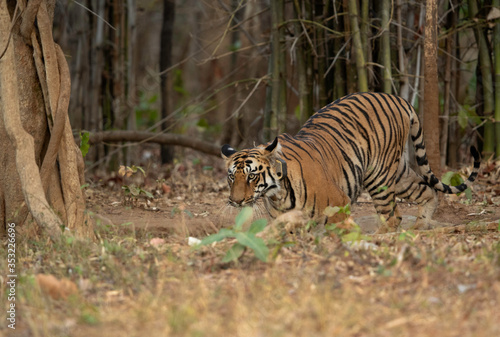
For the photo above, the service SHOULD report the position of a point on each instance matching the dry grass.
(408, 285)
(435, 283)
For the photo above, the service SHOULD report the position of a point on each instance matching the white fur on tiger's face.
(251, 175)
(355, 143)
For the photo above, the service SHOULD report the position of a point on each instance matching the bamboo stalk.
(305, 102)
(431, 91)
(322, 50)
(358, 47)
(365, 29)
(496, 55)
(385, 48)
(404, 88)
(278, 85)
(446, 107)
(339, 47)
(484, 64)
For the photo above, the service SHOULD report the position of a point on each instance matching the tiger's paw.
(388, 226)
(385, 228)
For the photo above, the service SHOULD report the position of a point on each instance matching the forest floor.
(139, 277)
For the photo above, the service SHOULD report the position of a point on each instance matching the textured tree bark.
(35, 129)
(167, 153)
(278, 76)
(22, 142)
(385, 47)
(358, 47)
(485, 67)
(431, 88)
(496, 53)
(303, 53)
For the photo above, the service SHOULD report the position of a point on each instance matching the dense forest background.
(242, 71)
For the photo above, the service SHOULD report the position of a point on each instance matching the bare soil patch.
(140, 277)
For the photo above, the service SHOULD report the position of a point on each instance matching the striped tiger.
(352, 144)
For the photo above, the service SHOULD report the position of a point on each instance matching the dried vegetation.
(140, 277)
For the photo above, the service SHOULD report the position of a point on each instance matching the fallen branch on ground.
(151, 137)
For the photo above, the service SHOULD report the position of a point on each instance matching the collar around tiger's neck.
(281, 169)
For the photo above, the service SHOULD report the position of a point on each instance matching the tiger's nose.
(236, 202)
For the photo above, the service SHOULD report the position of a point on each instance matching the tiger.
(355, 143)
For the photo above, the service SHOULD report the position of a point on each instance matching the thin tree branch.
(151, 137)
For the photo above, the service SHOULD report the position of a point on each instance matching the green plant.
(84, 142)
(145, 112)
(332, 210)
(455, 179)
(131, 191)
(348, 230)
(245, 239)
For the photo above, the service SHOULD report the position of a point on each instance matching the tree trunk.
(358, 47)
(276, 107)
(340, 73)
(496, 55)
(484, 64)
(302, 52)
(431, 88)
(385, 47)
(450, 25)
(404, 88)
(167, 152)
(43, 167)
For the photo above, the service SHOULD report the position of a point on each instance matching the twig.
(100, 17)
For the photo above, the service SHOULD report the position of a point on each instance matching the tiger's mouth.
(245, 202)
(249, 202)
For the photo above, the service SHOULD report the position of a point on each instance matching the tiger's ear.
(273, 146)
(280, 164)
(227, 151)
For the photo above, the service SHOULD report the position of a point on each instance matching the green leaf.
(446, 178)
(257, 226)
(243, 216)
(135, 168)
(463, 119)
(382, 188)
(254, 243)
(148, 194)
(331, 211)
(234, 253)
(202, 123)
(223, 233)
(468, 193)
(353, 236)
(84, 143)
(456, 180)
(189, 213)
(135, 191)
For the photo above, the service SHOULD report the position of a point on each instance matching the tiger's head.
(253, 173)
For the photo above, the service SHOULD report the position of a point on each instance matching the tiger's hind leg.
(412, 187)
(383, 194)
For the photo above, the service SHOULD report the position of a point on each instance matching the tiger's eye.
(251, 176)
(230, 176)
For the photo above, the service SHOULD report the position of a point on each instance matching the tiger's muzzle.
(241, 202)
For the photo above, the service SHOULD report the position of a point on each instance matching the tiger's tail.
(421, 156)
